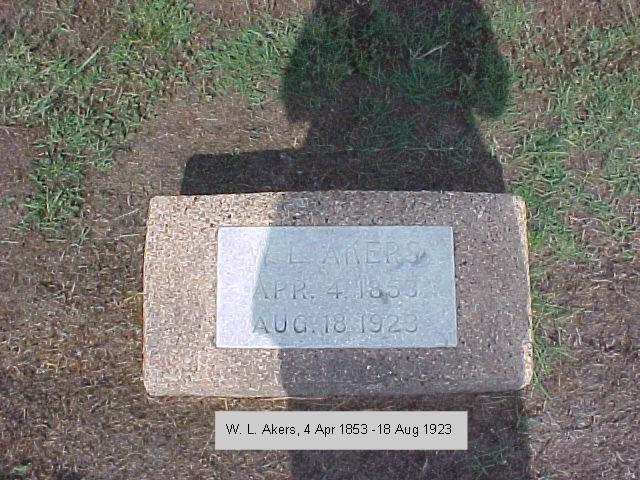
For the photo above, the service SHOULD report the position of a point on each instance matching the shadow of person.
(390, 91)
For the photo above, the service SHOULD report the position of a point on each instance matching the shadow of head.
(391, 91)
(378, 55)
(393, 73)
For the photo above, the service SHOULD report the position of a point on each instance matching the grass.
(436, 60)
(20, 470)
(88, 104)
(395, 60)
(378, 129)
(548, 336)
(483, 464)
(86, 107)
(593, 113)
(580, 158)
(575, 153)
(249, 61)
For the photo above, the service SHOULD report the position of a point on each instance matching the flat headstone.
(345, 286)
(211, 269)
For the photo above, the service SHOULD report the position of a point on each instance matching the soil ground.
(72, 403)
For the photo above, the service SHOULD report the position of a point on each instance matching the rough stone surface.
(492, 291)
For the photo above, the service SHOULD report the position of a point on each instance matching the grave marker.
(214, 310)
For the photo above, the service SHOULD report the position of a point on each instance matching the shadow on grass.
(391, 91)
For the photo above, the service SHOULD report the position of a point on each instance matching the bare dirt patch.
(15, 166)
(588, 425)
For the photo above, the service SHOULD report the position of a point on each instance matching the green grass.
(542, 176)
(420, 59)
(549, 320)
(576, 153)
(20, 470)
(319, 61)
(578, 157)
(444, 60)
(594, 116)
(88, 106)
(250, 61)
(483, 463)
(377, 128)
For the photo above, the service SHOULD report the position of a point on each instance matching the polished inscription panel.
(336, 287)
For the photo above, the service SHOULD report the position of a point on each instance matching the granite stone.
(493, 313)
(344, 286)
